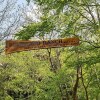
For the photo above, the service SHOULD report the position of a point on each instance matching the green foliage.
(40, 28)
(28, 31)
(28, 75)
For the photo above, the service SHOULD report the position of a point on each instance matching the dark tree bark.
(85, 88)
(76, 84)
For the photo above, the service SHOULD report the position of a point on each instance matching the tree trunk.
(85, 88)
(76, 84)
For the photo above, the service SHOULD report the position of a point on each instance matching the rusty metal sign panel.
(20, 45)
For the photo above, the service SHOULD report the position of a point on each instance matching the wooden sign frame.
(21, 45)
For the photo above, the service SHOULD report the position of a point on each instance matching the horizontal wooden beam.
(20, 45)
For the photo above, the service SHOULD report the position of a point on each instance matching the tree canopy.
(70, 73)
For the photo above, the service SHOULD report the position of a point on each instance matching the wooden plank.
(20, 45)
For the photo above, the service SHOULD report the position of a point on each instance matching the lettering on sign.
(20, 45)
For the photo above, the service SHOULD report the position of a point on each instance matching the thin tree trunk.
(50, 60)
(54, 62)
(76, 85)
(85, 88)
(57, 57)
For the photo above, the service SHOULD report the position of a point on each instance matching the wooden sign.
(20, 45)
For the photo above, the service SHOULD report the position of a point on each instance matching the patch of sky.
(21, 2)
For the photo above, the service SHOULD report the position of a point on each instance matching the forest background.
(66, 73)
